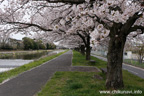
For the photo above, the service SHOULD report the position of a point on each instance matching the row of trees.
(11, 44)
(31, 44)
(26, 44)
(36, 44)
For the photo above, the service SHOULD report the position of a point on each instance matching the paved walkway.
(30, 82)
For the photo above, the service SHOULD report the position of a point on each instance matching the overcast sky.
(19, 36)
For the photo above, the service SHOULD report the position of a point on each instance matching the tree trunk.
(140, 60)
(82, 48)
(88, 51)
(140, 55)
(115, 60)
(88, 48)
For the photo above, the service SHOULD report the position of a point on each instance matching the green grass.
(79, 60)
(18, 70)
(133, 62)
(83, 83)
(72, 84)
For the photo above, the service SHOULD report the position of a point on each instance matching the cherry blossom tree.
(120, 17)
(82, 26)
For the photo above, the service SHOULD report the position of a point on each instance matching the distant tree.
(47, 46)
(140, 53)
(50, 46)
(42, 46)
(28, 43)
(36, 45)
(6, 47)
(39, 45)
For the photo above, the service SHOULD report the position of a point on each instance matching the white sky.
(19, 36)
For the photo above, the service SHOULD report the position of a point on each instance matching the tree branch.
(30, 25)
(135, 28)
(82, 37)
(99, 20)
(64, 1)
(127, 26)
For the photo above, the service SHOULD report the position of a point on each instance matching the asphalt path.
(30, 82)
(132, 69)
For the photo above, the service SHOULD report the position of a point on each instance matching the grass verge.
(72, 84)
(18, 70)
(83, 83)
(133, 62)
(79, 60)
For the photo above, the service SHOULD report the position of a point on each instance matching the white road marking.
(134, 67)
(131, 71)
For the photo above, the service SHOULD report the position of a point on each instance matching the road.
(132, 69)
(30, 82)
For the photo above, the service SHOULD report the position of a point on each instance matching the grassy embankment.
(134, 62)
(83, 83)
(18, 70)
